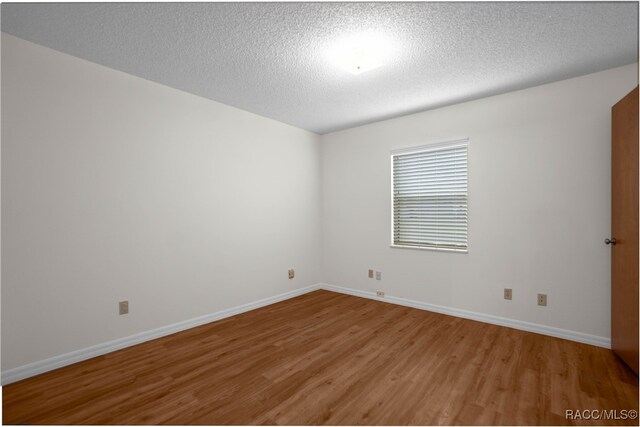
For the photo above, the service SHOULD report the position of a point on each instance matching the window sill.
(423, 248)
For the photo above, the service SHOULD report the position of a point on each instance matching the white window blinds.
(430, 196)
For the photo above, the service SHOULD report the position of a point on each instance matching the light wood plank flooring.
(328, 358)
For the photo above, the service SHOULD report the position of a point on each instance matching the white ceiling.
(271, 58)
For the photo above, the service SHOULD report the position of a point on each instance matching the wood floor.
(328, 358)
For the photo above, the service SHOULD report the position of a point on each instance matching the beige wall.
(114, 188)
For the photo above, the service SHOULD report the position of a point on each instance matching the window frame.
(431, 146)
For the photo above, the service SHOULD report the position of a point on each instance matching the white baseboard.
(486, 318)
(16, 374)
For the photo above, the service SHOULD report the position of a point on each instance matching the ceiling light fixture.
(360, 53)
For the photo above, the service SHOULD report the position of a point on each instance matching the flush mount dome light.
(357, 54)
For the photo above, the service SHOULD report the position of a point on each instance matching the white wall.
(114, 187)
(539, 200)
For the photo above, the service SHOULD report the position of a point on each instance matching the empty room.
(324, 213)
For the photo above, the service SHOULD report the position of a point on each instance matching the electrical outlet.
(542, 299)
(380, 293)
(370, 274)
(123, 307)
(508, 293)
(292, 273)
(378, 275)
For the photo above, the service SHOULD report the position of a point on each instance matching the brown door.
(624, 228)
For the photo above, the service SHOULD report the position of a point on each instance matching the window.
(429, 191)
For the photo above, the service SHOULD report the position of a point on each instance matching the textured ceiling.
(271, 58)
